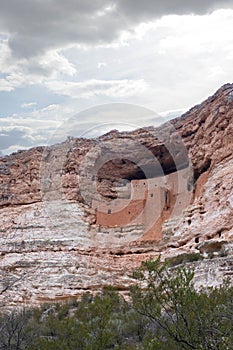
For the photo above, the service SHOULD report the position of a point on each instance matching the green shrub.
(163, 311)
(183, 258)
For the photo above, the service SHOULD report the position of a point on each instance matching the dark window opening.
(151, 195)
(167, 201)
(197, 240)
(166, 195)
(109, 211)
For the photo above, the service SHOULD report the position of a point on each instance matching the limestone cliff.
(51, 247)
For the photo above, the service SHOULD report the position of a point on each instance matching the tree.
(96, 323)
(180, 316)
(16, 334)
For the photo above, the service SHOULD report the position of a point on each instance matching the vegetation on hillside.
(163, 311)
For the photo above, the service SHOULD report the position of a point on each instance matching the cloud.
(33, 128)
(149, 9)
(21, 71)
(86, 53)
(42, 127)
(98, 120)
(101, 65)
(28, 104)
(110, 88)
(12, 135)
(37, 34)
(35, 27)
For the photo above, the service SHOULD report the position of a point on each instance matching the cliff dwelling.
(146, 202)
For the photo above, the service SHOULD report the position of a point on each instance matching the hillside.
(55, 243)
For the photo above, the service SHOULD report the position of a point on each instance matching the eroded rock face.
(49, 250)
(206, 132)
(210, 216)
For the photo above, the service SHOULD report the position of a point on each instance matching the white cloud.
(202, 34)
(160, 54)
(28, 104)
(89, 52)
(110, 88)
(20, 72)
(173, 113)
(101, 65)
(36, 27)
(31, 128)
(53, 113)
(56, 64)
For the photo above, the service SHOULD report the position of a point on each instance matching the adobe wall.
(108, 216)
(154, 205)
(151, 202)
(178, 182)
(141, 189)
(134, 211)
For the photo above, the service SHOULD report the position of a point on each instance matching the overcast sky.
(61, 59)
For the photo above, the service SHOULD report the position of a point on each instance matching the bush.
(184, 258)
(180, 316)
(163, 311)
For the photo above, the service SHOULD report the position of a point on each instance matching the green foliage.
(184, 258)
(95, 323)
(16, 331)
(163, 311)
(182, 317)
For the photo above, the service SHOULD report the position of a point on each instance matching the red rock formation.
(49, 249)
(206, 132)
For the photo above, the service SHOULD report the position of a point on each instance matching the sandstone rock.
(51, 247)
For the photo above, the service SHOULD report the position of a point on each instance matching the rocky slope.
(50, 250)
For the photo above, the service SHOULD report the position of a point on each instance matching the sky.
(117, 64)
